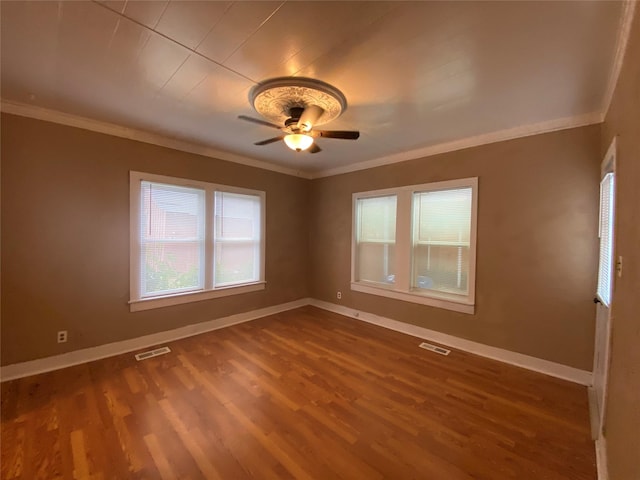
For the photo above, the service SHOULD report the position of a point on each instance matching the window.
(171, 239)
(237, 238)
(376, 239)
(193, 240)
(417, 243)
(607, 189)
(441, 240)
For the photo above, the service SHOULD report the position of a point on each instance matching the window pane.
(441, 268)
(376, 262)
(237, 238)
(171, 238)
(236, 262)
(170, 267)
(377, 219)
(606, 238)
(375, 239)
(441, 240)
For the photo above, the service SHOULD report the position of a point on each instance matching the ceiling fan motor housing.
(294, 117)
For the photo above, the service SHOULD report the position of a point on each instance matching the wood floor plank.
(80, 464)
(265, 384)
(186, 437)
(304, 394)
(159, 458)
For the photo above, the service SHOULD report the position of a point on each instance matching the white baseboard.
(85, 355)
(602, 466)
(553, 369)
(601, 458)
(56, 362)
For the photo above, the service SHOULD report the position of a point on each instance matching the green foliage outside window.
(163, 275)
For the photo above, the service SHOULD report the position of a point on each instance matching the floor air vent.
(152, 353)
(433, 348)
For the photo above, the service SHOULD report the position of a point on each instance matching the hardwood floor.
(304, 394)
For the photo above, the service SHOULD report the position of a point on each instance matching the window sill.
(439, 302)
(189, 297)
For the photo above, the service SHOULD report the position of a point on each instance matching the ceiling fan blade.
(342, 134)
(314, 148)
(309, 117)
(258, 121)
(270, 140)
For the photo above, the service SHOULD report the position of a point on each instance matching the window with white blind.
(605, 265)
(417, 243)
(171, 238)
(376, 234)
(441, 240)
(193, 240)
(237, 238)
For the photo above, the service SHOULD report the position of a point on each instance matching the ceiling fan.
(298, 129)
(296, 105)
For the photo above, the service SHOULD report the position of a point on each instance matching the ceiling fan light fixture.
(298, 141)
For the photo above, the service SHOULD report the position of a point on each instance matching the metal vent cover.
(152, 353)
(435, 348)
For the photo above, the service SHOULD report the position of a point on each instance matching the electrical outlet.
(339, 295)
(62, 336)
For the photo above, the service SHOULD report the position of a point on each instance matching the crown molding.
(55, 116)
(624, 30)
(476, 141)
(85, 123)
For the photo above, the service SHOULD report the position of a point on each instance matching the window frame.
(219, 242)
(401, 289)
(356, 225)
(209, 290)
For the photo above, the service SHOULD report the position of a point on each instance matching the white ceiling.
(415, 74)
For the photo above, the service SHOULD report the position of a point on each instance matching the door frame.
(608, 165)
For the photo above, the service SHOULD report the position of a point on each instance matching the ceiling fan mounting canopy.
(278, 99)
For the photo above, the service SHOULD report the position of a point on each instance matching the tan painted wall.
(65, 237)
(537, 243)
(622, 423)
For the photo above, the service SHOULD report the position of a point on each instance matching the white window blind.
(442, 240)
(417, 243)
(606, 238)
(237, 238)
(172, 236)
(376, 239)
(193, 240)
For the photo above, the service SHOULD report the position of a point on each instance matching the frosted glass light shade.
(298, 141)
